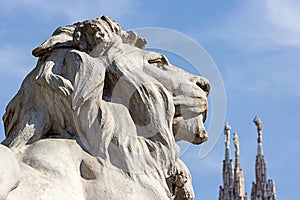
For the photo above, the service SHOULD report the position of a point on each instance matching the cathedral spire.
(260, 164)
(261, 189)
(239, 187)
(226, 192)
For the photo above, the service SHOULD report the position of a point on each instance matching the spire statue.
(236, 144)
(259, 125)
(227, 129)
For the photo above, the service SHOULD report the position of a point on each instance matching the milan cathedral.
(233, 179)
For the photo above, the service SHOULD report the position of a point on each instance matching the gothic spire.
(233, 180)
(260, 164)
(226, 192)
(261, 189)
(239, 188)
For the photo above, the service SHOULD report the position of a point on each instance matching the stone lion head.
(124, 105)
(91, 78)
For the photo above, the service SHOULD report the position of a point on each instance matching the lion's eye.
(161, 62)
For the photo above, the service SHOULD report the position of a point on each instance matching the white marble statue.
(98, 118)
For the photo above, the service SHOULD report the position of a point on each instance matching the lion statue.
(99, 118)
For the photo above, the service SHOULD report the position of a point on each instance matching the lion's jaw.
(190, 130)
(190, 112)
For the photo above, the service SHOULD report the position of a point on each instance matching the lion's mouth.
(182, 115)
(189, 126)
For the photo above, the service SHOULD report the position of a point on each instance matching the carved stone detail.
(99, 117)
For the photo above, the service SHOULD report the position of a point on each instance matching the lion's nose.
(203, 83)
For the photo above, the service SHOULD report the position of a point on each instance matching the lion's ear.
(61, 38)
(89, 77)
(133, 39)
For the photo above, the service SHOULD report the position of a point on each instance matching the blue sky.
(255, 44)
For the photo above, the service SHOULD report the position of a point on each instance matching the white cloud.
(285, 17)
(262, 24)
(284, 14)
(264, 36)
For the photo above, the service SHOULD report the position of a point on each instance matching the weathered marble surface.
(10, 173)
(99, 117)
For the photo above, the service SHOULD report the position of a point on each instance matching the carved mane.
(95, 84)
(71, 96)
